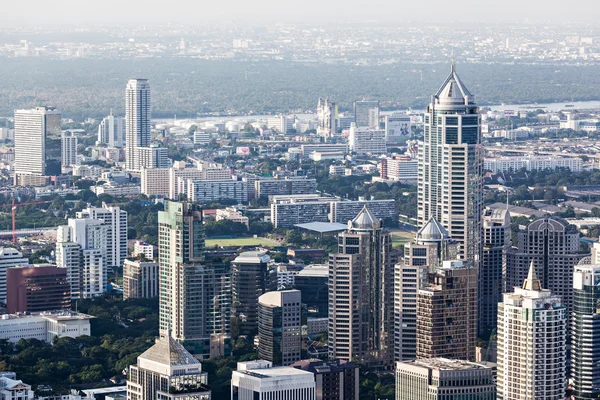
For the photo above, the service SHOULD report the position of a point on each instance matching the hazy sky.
(152, 11)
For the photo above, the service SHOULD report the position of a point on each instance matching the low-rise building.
(44, 326)
(13, 389)
(531, 163)
(232, 214)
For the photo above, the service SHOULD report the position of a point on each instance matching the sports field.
(401, 238)
(245, 241)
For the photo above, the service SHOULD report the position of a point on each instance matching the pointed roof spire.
(364, 220)
(453, 93)
(452, 65)
(432, 231)
(532, 282)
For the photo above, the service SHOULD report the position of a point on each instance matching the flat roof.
(273, 372)
(57, 315)
(446, 364)
(323, 227)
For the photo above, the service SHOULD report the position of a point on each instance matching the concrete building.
(312, 283)
(9, 258)
(137, 121)
(279, 326)
(397, 128)
(288, 186)
(44, 326)
(287, 211)
(532, 341)
(167, 371)
(399, 168)
(584, 329)
(343, 211)
(115, 220)
(442, 378)
(361, 293)
(367, 140)
(447, 313)
(153, 157)
(308, 149)
(111, 131)
(193, 296)
(366, 114)
(553, 245)
(334, 380)
(36, 289)
(496, 243)
(248, 283)
(206, 191)
(531, 163)
(327, 113)
(34, 130)
(143, 248)
(232, 214)
(259, 380)
(140, 279)
(450, 185)
(68, 148)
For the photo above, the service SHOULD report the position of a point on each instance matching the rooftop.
(446, 364)
(322, 227)
(60, 315)
(253, 257)
(168, 351)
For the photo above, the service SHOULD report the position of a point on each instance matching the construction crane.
(13, 207)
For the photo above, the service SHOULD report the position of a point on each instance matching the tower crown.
(532, 282)
(453, 93)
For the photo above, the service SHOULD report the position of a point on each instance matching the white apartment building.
(44, 326)
(116, 190)
(259, 380)
(204, 191)
(532, 163)
(116, 221)
(399, 168)
(156, 181)
(152, 157)
(137, 121)
(281, 123)
(202, 138)
(9, 258)
(532, 340)
(68, 149)
(367, 141)
(87, 171)
(111, 131)
(144, 248)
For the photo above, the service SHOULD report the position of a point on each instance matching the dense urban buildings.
(36, 289)
(442, 379)
(532, 343)
(137, 121)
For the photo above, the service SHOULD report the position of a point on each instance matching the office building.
(532, 340)
(44, 326)
(311, 281)
(366, 114)
(288, 186)
(334, 380)
(279, 326)
(115, 221)
(259, 380)
(193, 295)
(553, 245)
(68, 149)
(496, 243)
(531, 163)
(450, 187)
(206, 191)
(111, 131)
(248, 282)
(281, 123)
(361, 293)
(397, 128)
(326, 118)
(167, 371)
(585, 330)
(140, 279)
(153, 157)
(364, 141)
(447, 313)
(137, 121)
(36, 289)
(37, 131)
(9, 258)
(443, 378)
(202, 138)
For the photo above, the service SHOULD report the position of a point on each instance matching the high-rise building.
(532, 341)
(442, 378)
(496, 242)
(167, 371)
(36, 289)
(68, 149)
(367, 140)
(447, 313)
(111, 131)
(140, 279)
(312, 282)
(9, 258)
(279, 326)
(585, 331)
(153, 157)
(37, 132)
(194, 296)
(397, 128)
(137, 117)
(451, 167)
(248, 283)
(334, 380)
(115, 221)
(553, 245)
(361, 293)
(203, 191)
(259, 380)
(326, 118)
(366, 114)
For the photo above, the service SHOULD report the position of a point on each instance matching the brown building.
(335, 380)
(35, 289)
(447, 313)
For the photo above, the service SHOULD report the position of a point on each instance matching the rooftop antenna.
(452, 65)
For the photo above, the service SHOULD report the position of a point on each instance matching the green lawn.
(401, 238)
(245, 241)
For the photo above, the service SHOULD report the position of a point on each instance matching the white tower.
(137, 116)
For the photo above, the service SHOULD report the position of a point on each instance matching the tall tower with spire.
(451, 167)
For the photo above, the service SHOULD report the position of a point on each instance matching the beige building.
(140, 279)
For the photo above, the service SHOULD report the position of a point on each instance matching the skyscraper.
(447, 313)
(111, 131)
(137, 117)
(194, 296)
(326, 118)
(585, 331)
(496, 242)
(553, 245)
(115, 221)
(279, 327)
(361, 293)
(68, 149)
(532, 336)
(34, 131)
(366, 114)
(451, 167)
